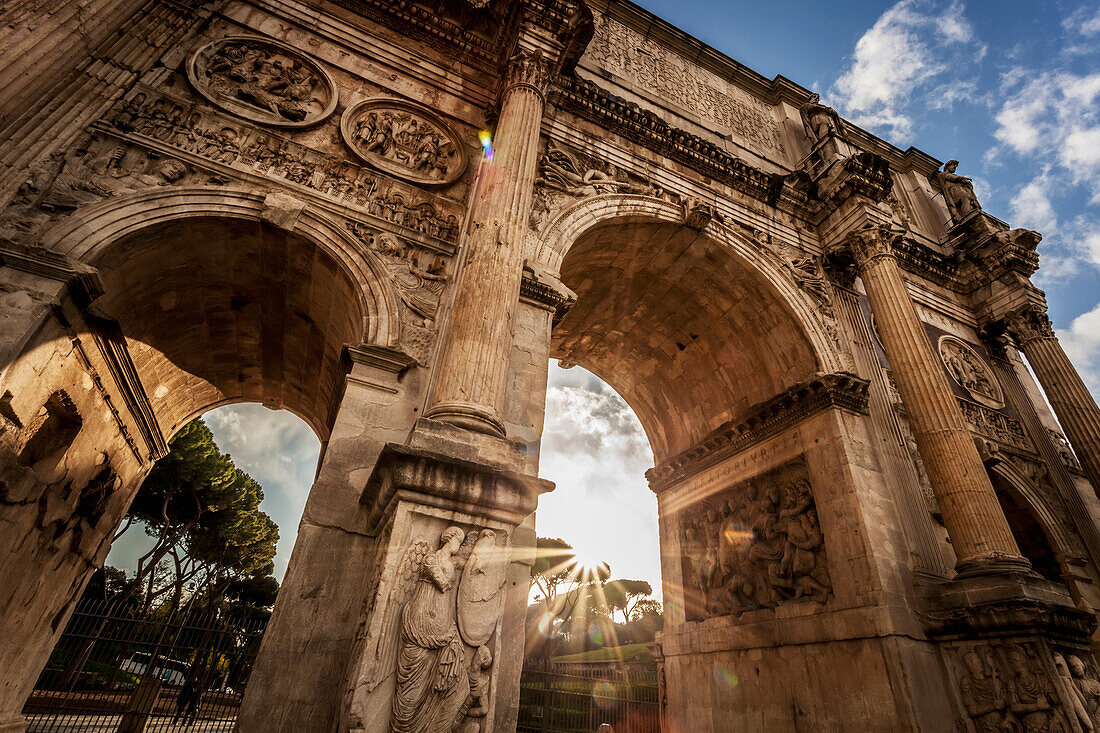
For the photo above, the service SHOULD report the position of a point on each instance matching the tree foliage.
(204, 517)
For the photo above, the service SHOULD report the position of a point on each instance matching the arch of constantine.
(869, 515)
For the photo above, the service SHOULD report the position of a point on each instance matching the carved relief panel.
(436, 636)
(263, 80)
(404, 139)
(1020, 686)
(758, 544)
(970, 371)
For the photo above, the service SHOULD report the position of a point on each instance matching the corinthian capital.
(869, 243)
(1029, 324)
(531, 69)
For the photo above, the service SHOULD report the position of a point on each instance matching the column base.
(469, 416)
(993, 563)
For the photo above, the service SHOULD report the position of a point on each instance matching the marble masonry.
(869, 516)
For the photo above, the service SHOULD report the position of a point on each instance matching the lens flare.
(549, 625)
(595, 633)
(486, 140)
(603, 693)
(725, 676)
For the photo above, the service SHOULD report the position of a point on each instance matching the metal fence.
(577, 698)
(113, 670)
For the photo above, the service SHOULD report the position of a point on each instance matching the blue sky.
(1011, 89)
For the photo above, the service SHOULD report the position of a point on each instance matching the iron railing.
(577, 698)
(113, 670)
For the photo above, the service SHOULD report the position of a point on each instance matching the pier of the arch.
(812, 341)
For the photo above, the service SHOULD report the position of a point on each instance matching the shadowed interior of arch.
(687, 334)
(224, 310)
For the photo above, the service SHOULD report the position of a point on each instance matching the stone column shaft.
(470, 377)
(975, 522)
(1067, 393)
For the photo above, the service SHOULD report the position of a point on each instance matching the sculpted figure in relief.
(958, 192)
(984, 695)
(430, 658)
(758, 547)
(1088, 690)
(1032, 698)
(818, 119)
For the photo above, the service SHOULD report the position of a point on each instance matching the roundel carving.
(970, 371)
(263, 80)
(404, 139)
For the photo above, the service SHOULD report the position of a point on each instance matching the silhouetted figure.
(187, 704)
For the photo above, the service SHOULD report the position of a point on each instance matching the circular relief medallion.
(970, 371)
(263, 80)
(404, 139)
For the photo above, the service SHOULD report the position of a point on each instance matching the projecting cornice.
(821, 392)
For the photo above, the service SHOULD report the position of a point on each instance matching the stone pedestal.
(432, 651)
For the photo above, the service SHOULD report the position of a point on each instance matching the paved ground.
(109, 723)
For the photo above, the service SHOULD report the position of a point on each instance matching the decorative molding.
(383, 358)
(111, 342)
(543, 289)
(82, 280)
(263, 80)
(821, 392)
(443, 481)
(530, 69)
(404, 139)
(590, 102)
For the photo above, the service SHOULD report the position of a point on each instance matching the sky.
(1009, 88)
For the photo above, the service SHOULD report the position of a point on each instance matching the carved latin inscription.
(404, 139)
(756, 545)
(629, 54)
(263, 80)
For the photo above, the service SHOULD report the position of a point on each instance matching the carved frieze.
(970, 371)
(1065, 451)
(263, 80)
(990, 423)
(755, 545)
(404, 139)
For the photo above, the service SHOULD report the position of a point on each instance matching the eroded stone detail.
(263, 80)
(970, 371)
(445, 606)
(958, 192)
(755, 545)
(405, 140)
(641, 60)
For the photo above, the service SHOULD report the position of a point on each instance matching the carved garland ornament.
(404, 139)
(970, 371)
(263, 80)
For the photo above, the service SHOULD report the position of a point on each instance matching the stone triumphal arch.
(869, 517)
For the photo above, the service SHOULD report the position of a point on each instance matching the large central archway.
(688, 335)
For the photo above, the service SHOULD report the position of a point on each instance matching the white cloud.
(1084, 21)
(1082, 344)
(1031, 207)
(595, 451)
(913, 53)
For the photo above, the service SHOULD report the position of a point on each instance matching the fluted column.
(470, 376)
(1067, 393)
(975, 522)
